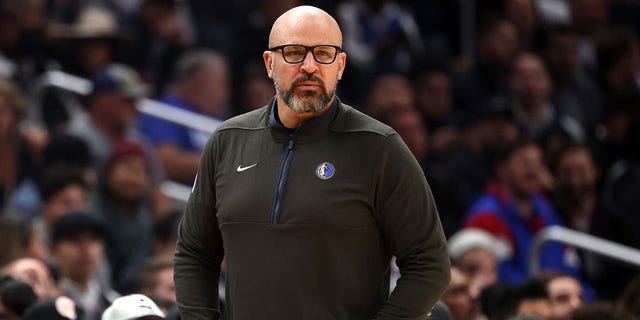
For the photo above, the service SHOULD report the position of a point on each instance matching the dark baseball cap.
(117, 77)
(60, 308)
(72, 224)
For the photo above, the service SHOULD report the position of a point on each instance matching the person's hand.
(35, 274)
(35, 136)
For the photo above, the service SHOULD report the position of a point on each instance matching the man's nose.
(575, 301)
(309, 63)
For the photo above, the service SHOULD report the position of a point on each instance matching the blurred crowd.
(524, 114)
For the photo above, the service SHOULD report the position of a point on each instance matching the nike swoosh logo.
(241, 168)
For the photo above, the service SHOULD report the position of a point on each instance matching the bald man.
(307, 200)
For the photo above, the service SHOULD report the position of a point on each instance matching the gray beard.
(298, 103)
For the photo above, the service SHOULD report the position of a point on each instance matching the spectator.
(526, 299)
(390, 92)
(63, 190)
(255, 89)
(89, 43)
(536, 117)
(484, 85)
(459, 175)
(159, 34)
(77, 249)
(133, 307)
(62, 182)
(112, 109)
(575, 92)
(113, 115)
(461, 297)
(121, 204)
(201, 84)
(156, 281)
(476, 253)
(432, 88)
(515, 209)
(576, 188)
(408, 124)
(434, 101)
(83, 46)
(565, 296)
(61, 153)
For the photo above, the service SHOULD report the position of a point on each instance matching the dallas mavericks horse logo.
(325, 170)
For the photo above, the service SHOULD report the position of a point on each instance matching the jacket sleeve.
(409, 222)
(199, 249)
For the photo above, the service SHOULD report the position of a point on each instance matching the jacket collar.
(309, 130)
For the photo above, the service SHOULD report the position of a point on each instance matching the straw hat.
(93, 23)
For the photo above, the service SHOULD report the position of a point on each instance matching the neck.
(291, 119)
(533, 111)
(128, 208)
(124, 206)
(525, 209)
(579, 207)
(187, 96)
(563, 80)
(524, 205)
(79, 282)
(110, 131)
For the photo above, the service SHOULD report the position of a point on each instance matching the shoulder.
(486, 204)
(252, 120)
(546, 210)
(351, 120)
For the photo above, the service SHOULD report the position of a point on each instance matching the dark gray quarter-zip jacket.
(307, 222)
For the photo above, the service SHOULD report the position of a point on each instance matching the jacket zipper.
(283, 175)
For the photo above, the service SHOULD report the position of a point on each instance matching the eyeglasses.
(295, 53)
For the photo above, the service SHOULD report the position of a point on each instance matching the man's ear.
(342, 60)
(268, 63)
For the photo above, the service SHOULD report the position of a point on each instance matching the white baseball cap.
(132, 307)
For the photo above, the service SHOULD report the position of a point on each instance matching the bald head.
(304, 88)
(305, 25)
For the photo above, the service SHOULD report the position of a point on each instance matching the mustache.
(307, 77)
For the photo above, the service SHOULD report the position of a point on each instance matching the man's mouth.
(308, 85)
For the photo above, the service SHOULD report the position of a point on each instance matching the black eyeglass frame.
(306, 50)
